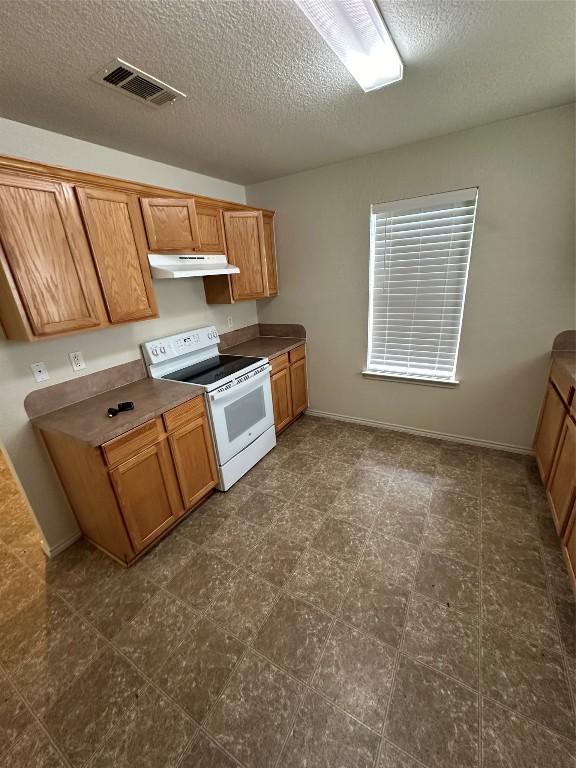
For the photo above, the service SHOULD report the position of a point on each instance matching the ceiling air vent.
(131, 81)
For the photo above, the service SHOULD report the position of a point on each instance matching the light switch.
(40, 371)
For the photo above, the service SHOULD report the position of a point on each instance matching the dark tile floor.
(361, 599)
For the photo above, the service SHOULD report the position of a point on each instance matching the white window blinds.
(419, 256)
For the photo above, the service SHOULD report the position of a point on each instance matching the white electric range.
(238, 394)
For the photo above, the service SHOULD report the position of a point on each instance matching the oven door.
(241, 414)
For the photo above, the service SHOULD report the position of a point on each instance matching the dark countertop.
(265, 346)
(88, 421)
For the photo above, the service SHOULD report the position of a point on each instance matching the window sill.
(410, 379)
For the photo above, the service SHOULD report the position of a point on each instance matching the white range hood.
(170, 265)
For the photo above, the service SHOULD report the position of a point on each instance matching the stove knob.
(163, 350)
(155, 351)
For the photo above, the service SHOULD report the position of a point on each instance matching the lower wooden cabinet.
(129, 491)
(289, 387)
(299, 386)
(548, 432)
(555, 450)
(282, 399)
(562, 482)
(192, 448)
(148, 494)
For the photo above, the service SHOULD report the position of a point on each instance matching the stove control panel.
(171, 347)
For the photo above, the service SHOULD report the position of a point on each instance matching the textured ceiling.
(266, 96)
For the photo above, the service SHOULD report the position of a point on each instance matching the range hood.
(169, 265)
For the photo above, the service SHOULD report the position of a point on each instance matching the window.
(419, 256)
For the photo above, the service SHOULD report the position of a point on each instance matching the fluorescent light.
(356, 32)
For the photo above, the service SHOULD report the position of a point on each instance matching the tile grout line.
(548, 592)
(149, 680)
(457, 680)
(37, 720)
(284, 590)
(162, 587)
(480, 627)
(563, 654)
(532, 720)
(420, 549)
(322, 652)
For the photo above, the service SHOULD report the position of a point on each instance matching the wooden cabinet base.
(555, 452)
(129, 492)
(289, 387)
(166, 532)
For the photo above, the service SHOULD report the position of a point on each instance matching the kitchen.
(352, 539)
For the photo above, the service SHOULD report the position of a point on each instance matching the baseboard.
(58, 548)
(423, 432)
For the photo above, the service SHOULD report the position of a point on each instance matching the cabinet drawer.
(563, 383)
(297, 354)
(279, 363)
(183, 414)
(129, 444)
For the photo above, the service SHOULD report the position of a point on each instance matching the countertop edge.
(293, 343)
(45, 422)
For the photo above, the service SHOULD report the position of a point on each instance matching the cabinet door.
(114, 225)
(210, 228)
(246, 250)
(147, 492)
(546, 440)
(49, 275)
(171, 223)
(299, 386)
(281, 399)
(194, 459)
(562, 482)
(270, 245)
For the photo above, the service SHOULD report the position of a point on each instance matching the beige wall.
(521, 282)
(181, 304)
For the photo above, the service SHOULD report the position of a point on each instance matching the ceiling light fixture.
(356, 32)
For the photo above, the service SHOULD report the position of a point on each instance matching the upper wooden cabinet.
(116, 234)
(270, 246)
(48, 282)
(250, 247)
(247, 251)
(210, 228)
(74, 248)
(171, 223)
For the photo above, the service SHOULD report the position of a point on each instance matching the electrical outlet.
(76, 361)
(230, 322)
(40, 371)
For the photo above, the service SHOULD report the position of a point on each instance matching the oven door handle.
(239, 388)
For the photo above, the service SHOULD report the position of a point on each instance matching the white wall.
(181, 304)
(521, 282)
